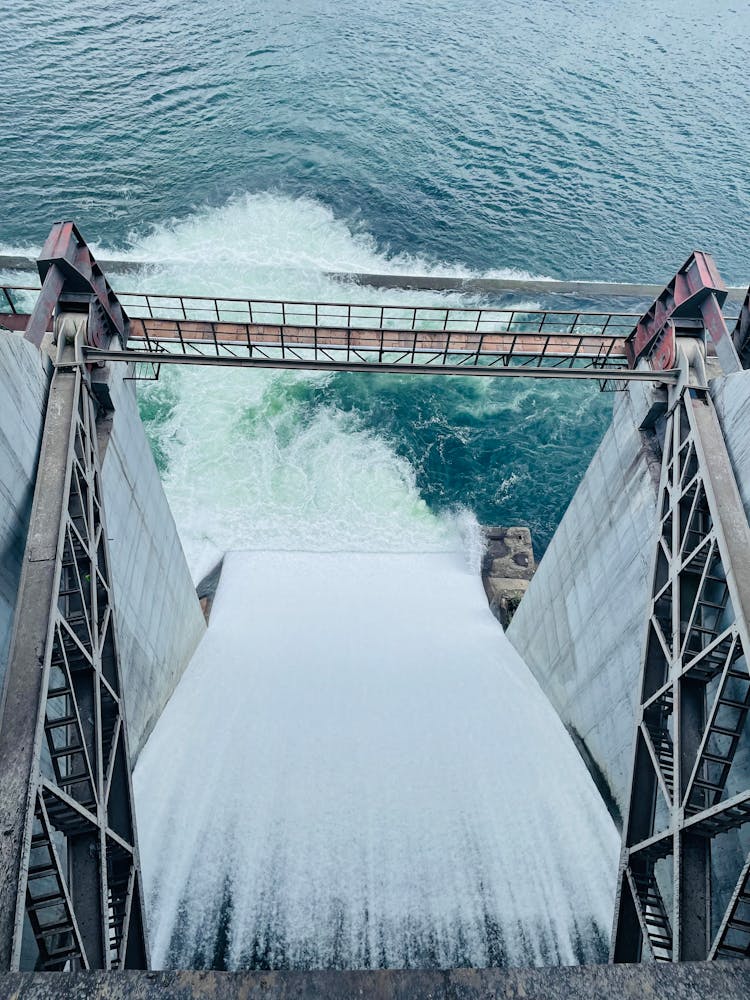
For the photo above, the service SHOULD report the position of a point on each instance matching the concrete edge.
(688, 981)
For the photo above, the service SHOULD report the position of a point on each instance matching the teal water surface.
(567, 139)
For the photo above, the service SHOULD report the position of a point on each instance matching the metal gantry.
(70, 883)
(687, 795)
(330, 336)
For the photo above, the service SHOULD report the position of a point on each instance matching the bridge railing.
(295, 333)
(524, 342)
(277, 312)
(353, 315)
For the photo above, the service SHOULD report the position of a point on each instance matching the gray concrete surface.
(580, 626)
(717, 981)
(159, 619)
(23, 393)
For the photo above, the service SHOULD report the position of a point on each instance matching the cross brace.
(70, 883)
(695, 698)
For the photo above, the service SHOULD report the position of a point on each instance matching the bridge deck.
(476, 340)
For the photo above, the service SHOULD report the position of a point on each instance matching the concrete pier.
(507, 568)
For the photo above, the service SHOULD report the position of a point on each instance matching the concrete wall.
(23, 394)
(662, 981)
(580, 626)
(159, 621)
(159, 618)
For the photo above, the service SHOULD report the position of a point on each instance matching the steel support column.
(695, 697)
(70, 885)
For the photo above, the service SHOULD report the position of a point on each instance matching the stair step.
(61, 927)
(701, 783)
(58, 692)
(733, 703)
(63, 720)
(67, 751)
(50, 899)
(733, 949)
(42, 871)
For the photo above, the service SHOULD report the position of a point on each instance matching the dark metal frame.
(695, 694)
(350, 337)
(70, 882)
(69, 854)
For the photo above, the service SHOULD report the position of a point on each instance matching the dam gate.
(70, 882)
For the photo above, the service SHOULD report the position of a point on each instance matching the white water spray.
(356, 769)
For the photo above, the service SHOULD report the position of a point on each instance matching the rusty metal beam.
(696, 292)
(72, 280)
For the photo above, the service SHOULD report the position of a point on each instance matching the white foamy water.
(357, 769)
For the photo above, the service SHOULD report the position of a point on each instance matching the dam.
(648, 574)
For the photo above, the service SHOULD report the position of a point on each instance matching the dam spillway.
(421, 670)
(386, 786)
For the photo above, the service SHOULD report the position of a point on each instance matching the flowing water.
(357, 769)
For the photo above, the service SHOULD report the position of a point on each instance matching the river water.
(357, 768)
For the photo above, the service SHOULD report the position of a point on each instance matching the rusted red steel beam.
(68, 269)
(40, 320)
(696, 292)
(14, 321)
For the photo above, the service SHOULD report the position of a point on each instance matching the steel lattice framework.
(70, 884)
(69, 859)
(695, 696)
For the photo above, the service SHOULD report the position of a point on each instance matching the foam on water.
(309, 475)
(356, 769)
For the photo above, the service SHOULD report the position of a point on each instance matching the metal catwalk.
(69, 868)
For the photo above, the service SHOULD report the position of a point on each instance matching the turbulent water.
(373, 778)
(573, 139)
(357, 769)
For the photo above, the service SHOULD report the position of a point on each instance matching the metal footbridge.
(188, 329)
(156, 329)
(70, 878)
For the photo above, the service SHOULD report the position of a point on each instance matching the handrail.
(299, 312)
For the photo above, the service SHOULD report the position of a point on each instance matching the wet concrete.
(699, 981)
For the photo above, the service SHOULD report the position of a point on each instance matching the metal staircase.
(70, 885)
(695, 684)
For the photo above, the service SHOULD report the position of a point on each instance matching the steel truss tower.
(70, 884)
(687, 799)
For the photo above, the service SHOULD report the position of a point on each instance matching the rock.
(507, 567)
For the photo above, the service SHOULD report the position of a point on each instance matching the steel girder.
(741, 333)
(695, 696)
(70, 883)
